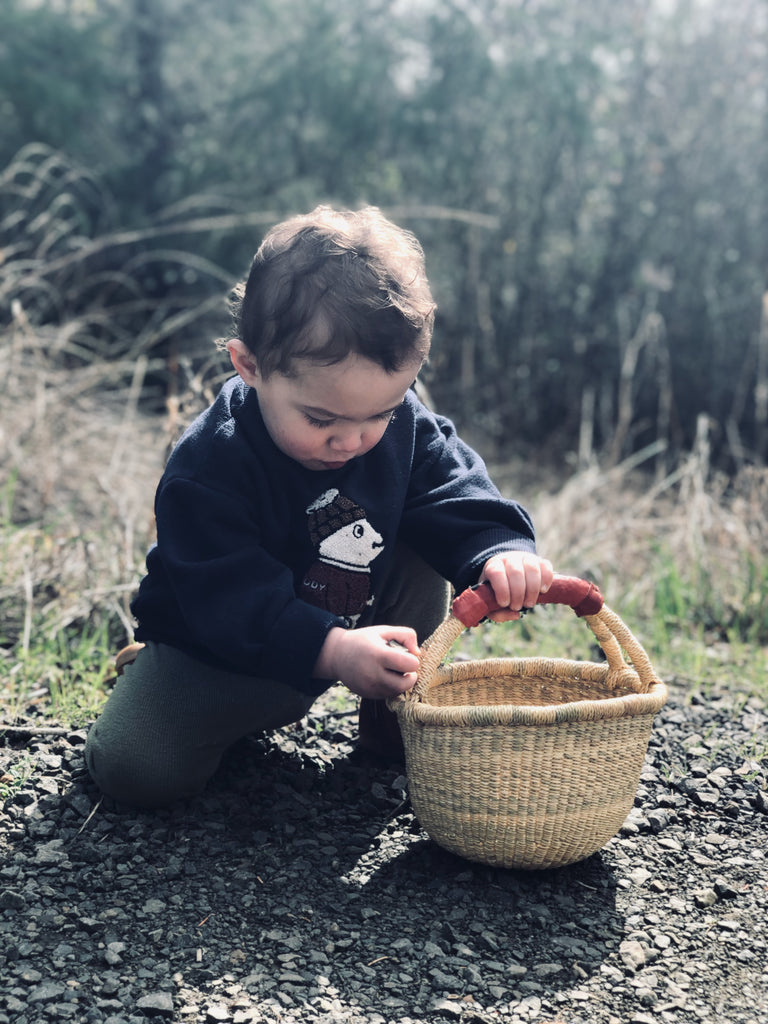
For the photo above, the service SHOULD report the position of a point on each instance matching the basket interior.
(534, 685)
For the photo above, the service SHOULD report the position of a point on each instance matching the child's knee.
(134, 775)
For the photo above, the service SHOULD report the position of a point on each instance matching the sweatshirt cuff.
(494, 542)
(294, 646)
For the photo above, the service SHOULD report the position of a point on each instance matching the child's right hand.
(366, 663)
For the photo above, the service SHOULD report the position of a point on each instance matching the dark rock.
(46, 992)
(10, 900)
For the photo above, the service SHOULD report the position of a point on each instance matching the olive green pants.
(171, 717)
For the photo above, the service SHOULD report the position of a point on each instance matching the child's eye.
(315, 422)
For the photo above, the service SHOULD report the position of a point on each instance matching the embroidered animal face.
(356, 544)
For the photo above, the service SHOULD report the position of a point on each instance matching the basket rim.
(623, 706)
(551, 668)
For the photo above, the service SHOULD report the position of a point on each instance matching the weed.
(338, 700)
(755, 752)
(61, 676)
(15, 776)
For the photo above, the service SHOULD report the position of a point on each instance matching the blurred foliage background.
(589, 182)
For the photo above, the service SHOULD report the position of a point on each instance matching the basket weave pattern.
(528, 762)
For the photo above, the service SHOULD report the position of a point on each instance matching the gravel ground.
(300, 888)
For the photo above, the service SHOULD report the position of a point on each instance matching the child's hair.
(330, 283)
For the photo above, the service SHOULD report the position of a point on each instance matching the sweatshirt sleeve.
(454, 515)
(235, 601)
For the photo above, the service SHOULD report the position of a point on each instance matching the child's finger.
(531, 584)
(403, 636)
(496, 572)
(537, 575)
(402, 659)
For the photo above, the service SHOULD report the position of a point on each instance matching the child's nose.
(348, 441)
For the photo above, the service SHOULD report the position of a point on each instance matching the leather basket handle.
(475, 603)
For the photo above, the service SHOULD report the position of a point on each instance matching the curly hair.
(331, 283)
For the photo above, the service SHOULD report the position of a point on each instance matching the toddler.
(311, 522)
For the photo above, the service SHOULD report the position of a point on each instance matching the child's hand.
(366, 661)
(516, 578)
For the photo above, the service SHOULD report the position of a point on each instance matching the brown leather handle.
(473, 604)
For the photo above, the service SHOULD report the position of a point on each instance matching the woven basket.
(528, 762)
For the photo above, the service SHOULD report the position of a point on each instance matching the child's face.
(326, 415)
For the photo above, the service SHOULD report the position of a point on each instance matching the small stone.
(448, 1007)
(113, 953)
(156, 1004)
(531, 1005)
(154, 906)
(632, 954)
(10, 900)
(546, 970)
(705, 898)
(90, 924)
(25, 798)
(80, 803)
(701, 859)
(30, 976)
(657, 820)
(50, 853)
(646, 996)
(218, 1014)
(443, 981)
(46, 992)
(724, 890)
(706, 797)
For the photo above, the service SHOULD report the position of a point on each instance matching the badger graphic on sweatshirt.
(340, 580)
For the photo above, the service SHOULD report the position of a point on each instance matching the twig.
(34, 730)
(96, 806)
(236, 221)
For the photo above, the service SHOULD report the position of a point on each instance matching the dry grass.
(79, 462)
(691, 548)
(90, 321)
(686, 556)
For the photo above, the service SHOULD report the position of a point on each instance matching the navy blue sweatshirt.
(258, 558)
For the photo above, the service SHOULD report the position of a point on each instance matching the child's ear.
(243, 361)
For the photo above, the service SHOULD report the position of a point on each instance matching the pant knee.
(134, 775)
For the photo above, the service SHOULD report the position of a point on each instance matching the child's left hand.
(516, 578)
